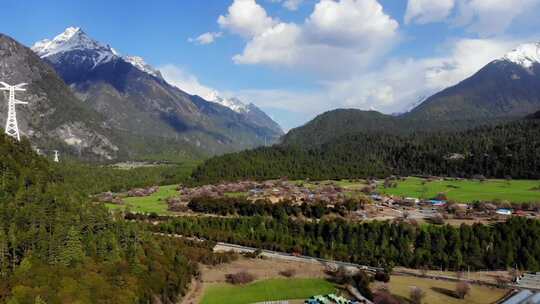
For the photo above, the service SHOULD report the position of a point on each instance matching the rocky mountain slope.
(507, 87)
(135, 99)
(54, 117)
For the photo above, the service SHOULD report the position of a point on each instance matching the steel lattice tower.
(12, 128)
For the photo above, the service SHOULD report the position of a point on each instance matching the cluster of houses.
(274, 191)
(391, 201)
(458, 209)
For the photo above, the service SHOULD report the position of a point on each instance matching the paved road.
(222, 247)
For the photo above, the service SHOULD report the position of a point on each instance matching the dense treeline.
(244, 207)
(93, 179)
(499, 246)
(511, 149)
(55, 247)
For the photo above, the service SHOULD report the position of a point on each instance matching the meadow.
(155, 203)
(266, 290)
(438, 291)
(468, 190)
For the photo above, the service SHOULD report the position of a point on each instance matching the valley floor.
(310, 279)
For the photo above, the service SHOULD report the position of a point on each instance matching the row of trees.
(508, 150)
(502, 245)
(243, 207)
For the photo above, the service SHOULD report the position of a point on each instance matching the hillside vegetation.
(342, 122)
(510, 149)
(56, 247)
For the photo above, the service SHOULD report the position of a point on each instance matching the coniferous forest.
(57, 247)
(500, 246)
(506, 150)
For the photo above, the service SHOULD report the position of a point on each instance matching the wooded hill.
(506, 150)
(56, 247)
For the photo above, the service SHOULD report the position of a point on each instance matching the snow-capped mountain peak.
(233, 103)
(140, 64)
(94, 52)
(72, 39)
(525, 55)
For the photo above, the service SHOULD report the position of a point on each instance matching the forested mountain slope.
(55, 247)
(511, 149)
(337, 123)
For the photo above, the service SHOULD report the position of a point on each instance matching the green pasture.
(266, 290)
(468, 190)
(156, 202)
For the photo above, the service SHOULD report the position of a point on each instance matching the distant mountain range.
(135, 100)
(505, 89)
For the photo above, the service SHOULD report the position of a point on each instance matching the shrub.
(383, 297)
(417, 295)
(242, 277)
(437, 220)
(288, 273)
(382, 276)
(462, 289)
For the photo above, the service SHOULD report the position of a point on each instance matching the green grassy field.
(438, 291)
(154, 203)
(266, 290)
(469, 190)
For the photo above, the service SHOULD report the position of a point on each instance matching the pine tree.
(4, 253)
(72, 253)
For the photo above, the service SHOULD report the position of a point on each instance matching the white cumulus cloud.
(246, 18)
(491, 17)
(426, 11)
(291, 5)
(206, 38)
(337, 36)
(483, 17)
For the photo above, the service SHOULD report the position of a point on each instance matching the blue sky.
(296, 58)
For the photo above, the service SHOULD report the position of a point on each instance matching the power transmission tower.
(12, 128)
(56, 158)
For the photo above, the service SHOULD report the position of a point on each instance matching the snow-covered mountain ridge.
(75, 39)
(233, 103)
(525, 55)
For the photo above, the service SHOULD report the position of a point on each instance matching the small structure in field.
(503, 211)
